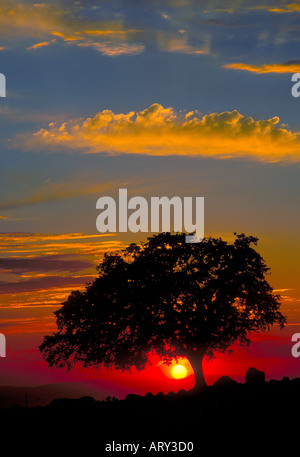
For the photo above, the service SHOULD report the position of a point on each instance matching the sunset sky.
(175, 97)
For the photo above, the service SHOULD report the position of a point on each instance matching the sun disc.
(179, 371)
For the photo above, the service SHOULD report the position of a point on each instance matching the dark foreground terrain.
(253, 418)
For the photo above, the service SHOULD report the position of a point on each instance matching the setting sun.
(179, 371)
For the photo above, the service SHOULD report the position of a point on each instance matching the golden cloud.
(111, 32)
(41, 45)
(163, 131)
(30, 246)
(288, 67)
(67, 37)
(291, 8)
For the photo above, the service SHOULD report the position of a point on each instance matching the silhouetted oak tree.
(166, 295)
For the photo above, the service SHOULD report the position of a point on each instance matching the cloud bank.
(163, 131)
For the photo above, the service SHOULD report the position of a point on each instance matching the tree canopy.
(178, 299)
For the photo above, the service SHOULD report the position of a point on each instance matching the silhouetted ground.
(42, 395)
(252, 418)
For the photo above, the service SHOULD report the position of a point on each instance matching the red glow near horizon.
(269, 352)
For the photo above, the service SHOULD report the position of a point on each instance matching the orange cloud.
(291, 8)
(163, 131)
(282, 9)
(67, 37)
(30, 245)
(111, 32)
(288, 67)
(40, 45)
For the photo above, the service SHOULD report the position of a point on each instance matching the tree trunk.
(195, 358)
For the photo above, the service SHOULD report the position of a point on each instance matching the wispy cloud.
(287, 67)
(55, 191)
(179, 43)
(163, 131)
(280, 8)
(27, 325)
(112, 49)
(121, 31)
(68, 24)
(32, 245)
(42, 44)
(45, 283)
(112, 32)
(57, 263)
(67, 37)
(41, 269)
